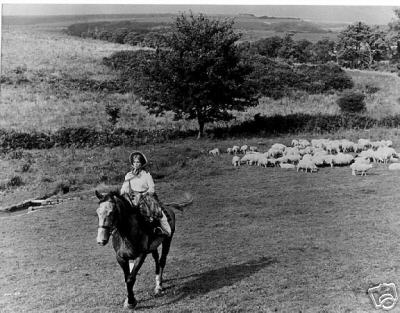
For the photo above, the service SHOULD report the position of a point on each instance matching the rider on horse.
(138, 188)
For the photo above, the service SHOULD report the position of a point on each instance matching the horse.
(132, 238)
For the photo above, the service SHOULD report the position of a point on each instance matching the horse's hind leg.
(163, 260)
(158, 288)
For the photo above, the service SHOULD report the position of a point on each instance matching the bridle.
(110, 228)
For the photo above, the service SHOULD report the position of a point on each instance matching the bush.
(15, 181)
(352, 102)
(114, 113)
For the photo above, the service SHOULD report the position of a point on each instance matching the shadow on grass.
(203, 283)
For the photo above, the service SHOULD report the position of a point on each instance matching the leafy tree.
(323, 51)
(393, 36)
(380, 46)
(288, 49)
(302, 50)
(269, 47)
(199, 75)
(354, 49)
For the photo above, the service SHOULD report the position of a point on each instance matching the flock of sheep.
(304, 155)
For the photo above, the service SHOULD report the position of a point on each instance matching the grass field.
(255, 239)
(273, 241)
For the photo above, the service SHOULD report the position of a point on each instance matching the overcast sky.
(329, 13)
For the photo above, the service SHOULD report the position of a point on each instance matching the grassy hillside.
(38, 65)
(255, 239)
(274, 241)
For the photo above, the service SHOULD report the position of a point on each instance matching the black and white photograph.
(185, 157)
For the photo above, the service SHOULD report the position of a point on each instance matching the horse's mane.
(126, 205)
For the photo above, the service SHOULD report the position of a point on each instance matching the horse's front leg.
(130, 280)
(130, 301)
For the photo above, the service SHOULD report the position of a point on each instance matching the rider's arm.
(150, 184)
(125, 186)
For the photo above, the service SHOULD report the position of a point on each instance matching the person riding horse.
(138, 187)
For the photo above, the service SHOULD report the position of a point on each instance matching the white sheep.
(287, 166)
(235, 149)
(278, 146)
(236, 161)
(342, 159)
(360, 168)
(244, 148)
(229, 150)
(307, 165)
(214, 152)
(253, 149)
(251, 158)
(364, 143)
(394, 167)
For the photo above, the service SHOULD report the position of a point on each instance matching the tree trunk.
(201, 126)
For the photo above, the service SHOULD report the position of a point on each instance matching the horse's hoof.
(129, 306)
(158, 291)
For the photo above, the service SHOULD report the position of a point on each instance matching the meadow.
(255, 239)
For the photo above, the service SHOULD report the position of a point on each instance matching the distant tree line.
(359, 46)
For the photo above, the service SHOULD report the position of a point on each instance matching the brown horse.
(133, 238)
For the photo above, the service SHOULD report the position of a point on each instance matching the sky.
(328, 13)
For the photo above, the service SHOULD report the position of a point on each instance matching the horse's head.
(106, 213)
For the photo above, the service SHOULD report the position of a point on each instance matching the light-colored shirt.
(139, 183)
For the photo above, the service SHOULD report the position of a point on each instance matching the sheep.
(394, 167)
(214, 152)
(236, 161)
(293, 158)
(295, 143)
(364, 143)
(253, 149)
(362, 160)
(251, 158)
(360, 168)
(307, 165)
(229, 150)
(342, 159)
(347, 145)
(244, 148)
(265, 162)
(235, 149)
(384, 154)
(304, 143)
(333, 147)
(274, 153)
(287, 166)
(291, 151)
(278, 147)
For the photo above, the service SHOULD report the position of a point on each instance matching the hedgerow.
(260, 125)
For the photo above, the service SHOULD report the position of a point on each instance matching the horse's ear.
(99, 195)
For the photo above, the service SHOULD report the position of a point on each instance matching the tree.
(393, 36)
(323, 51)
(354, 49)
(287, 50)
(269, 46)
(198, 75)
(303, 50)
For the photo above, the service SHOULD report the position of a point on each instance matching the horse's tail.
(184, 203)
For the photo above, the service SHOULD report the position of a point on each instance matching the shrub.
(113, 112)
(352, 102)
(370, 89)
(15, 181)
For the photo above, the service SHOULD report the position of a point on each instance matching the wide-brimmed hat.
(141, 155)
